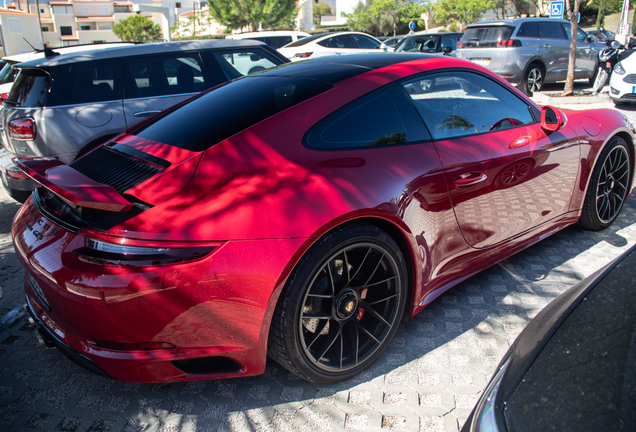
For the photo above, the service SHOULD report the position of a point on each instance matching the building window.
(66, 30)
(82, 11)
(45, 28)
(105, 27)
(70, 43)
(85, 27)
(62, 9)
(41, 10)
(103, 11)
(177, 4)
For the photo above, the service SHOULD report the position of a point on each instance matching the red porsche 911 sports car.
(302, 212)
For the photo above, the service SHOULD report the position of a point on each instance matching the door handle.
(145, 113)
(470, 179)
(546, 46)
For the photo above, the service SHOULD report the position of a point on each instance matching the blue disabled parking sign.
(556, 9)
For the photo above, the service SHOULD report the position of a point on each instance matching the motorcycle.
(607, 59)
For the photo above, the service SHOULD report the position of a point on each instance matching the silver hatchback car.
(66, 105)
(529, 51)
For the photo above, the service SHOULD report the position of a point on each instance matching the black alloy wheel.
(342, 306)
(608, 186)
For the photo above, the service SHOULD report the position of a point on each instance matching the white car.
(623, 82)
(327, 44)
(275, 38)
(8, 72)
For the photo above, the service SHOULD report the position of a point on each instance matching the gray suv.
(66, 105)
(529, 51)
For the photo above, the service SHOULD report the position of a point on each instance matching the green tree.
(600, 17)
(384, 16)
(461, 12)
(236, 14)
(320, 10)
(138, 28)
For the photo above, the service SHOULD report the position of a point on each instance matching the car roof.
(266, 33)
(515, 21)
(433, 34)
(334, 69)
(35, 55)
(135, 50)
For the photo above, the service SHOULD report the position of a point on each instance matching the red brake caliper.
(363, 295)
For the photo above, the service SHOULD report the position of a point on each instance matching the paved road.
(428, 380)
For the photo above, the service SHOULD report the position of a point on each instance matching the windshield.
(221, 113)
(8, 73)
(486, 36)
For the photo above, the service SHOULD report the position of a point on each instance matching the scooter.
(607, 59)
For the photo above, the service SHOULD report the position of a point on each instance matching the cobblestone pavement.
(428, 380)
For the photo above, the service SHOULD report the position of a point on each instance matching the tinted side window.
(449, 41)
(383, 118)
(342, 41)
(277, 41)
(365, 42)
(529, 29)
(165, 75)
(551, 30)
(241, 62)
(94, 81)
(454, 104)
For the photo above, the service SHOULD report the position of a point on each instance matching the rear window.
(486, 36)
(30, 89)
(8, 73)
(228, 110)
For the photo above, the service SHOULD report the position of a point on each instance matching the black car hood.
(584, 378)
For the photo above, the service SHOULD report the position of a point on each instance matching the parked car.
(9, 72)
(391, 42)
(64, 105)
(276, 39)
(572, 368)
(433, 43)
(602, 35)
(623, 82)
(307, 209)
(327, 44)
(529, 51)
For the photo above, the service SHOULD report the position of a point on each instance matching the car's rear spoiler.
(71, 185)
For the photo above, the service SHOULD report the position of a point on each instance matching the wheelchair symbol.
(556, 9)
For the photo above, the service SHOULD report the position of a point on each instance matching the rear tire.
(341, 305)
(609, 184)
(532, 79)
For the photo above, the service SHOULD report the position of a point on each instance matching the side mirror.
(447, 50)
(552, 119)
(615, 44)
(383, 46)
(590, 38)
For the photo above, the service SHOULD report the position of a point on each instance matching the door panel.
(507, 182)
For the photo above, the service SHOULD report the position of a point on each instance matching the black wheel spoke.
(332, 336)
(366, 255)
(375, 269)
(368, 333)
(383, 300)
(322, 315)
(381, 282)
(368, 309)
(319, 330)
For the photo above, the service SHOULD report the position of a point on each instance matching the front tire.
(608, 188)
(341, 306)
(532, 80)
